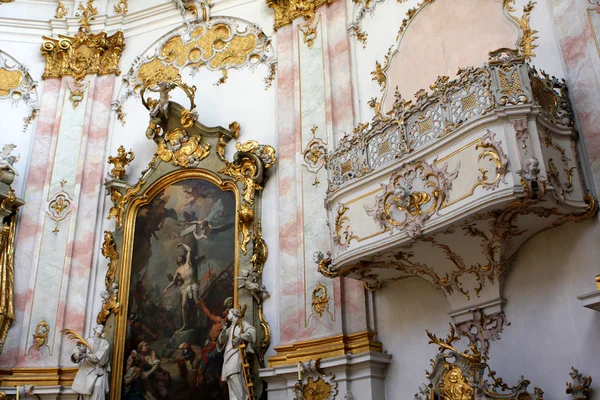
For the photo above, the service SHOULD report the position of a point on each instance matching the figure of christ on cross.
(186, 278)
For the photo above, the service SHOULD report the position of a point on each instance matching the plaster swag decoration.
(17, 85)
(219, 44)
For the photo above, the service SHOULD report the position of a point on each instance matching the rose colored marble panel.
(29, 228)
(291, 287)
(59, 275)
(314, 88)
(90, 174)
(580, 52)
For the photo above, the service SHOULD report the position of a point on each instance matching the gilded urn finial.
(120, 162)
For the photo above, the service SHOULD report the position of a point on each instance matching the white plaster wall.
(550, 330)
(403, 312)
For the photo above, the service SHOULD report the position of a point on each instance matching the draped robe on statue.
(232, 360)
(92, 379)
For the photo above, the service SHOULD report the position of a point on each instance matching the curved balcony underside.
(448, 189)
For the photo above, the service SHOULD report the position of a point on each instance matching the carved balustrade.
(448, 188)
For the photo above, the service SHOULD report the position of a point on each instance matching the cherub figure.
(109, 303)
(7, 161)
(250, 281)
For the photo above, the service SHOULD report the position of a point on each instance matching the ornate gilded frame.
(199, 155)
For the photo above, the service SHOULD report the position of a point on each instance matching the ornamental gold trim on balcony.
(451, 104)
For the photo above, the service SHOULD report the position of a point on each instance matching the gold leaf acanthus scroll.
(217, 45)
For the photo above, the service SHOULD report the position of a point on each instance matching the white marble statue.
(7, 161)
(230, 338)
(91, 380)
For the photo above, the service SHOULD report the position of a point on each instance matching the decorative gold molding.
(121, 7)
(325, 348)
(61, 11)
(40, 337)
(315, 155)
(37, 376)
(286, 11)
(526, 44)
(85, 53)
(218, 45)
(597, 279)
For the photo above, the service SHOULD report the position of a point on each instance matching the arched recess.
(438, 37)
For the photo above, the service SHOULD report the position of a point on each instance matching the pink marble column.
(29, 228)
(86, 130)
(90, 176)
(578, 43)
(348, 306)
(290, 218)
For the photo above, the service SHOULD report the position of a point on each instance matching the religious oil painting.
(181, 288)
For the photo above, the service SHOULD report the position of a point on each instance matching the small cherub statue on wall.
(250, 281)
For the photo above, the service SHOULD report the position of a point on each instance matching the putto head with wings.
(7, 161)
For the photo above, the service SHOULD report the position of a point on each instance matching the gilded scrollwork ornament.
(415, 192)
(320, 300)
(122, 7)
(61, 11)
(217, 44)
(315, 155)
(110, 303)
(109, 251)
(343, 234)
(314, 383)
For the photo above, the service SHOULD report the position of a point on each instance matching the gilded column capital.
(288, 10)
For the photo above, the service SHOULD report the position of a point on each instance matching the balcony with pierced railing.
(449, 187)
